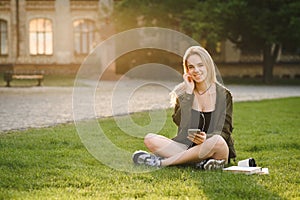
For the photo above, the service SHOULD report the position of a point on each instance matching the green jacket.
(221, 119)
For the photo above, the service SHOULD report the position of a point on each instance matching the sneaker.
(210, 164)
(213, 164)
(200, 165)
(144, 158)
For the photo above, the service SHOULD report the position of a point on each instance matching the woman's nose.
(197, 69)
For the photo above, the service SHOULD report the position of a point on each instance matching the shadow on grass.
(212, 184)
(234, 186)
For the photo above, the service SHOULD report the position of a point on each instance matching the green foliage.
(143, 13)
(255, 26)
(52, 163)
(250, 24)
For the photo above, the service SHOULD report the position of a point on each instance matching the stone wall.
(256, 70)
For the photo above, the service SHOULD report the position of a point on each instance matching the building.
(52, 35)
(56, 36)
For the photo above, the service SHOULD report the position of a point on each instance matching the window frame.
(4, 38)
(84, 36)
(39, 35)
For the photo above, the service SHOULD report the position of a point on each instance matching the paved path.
(22, 108)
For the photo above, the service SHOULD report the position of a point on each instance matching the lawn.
(52, 163)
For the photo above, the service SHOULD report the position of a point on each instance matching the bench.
(23, 75)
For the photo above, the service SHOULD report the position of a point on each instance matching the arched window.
(40, 37)
(84, 35)
(3, 38)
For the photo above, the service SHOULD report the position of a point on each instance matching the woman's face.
(196, 68)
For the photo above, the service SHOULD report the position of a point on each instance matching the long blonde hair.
(208, 63)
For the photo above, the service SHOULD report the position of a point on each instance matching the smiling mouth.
(197, 75)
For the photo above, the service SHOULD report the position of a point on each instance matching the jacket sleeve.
(176, 116)
(224, 125)
(182, 116)
(228, 128)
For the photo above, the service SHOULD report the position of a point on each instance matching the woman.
(201, 103)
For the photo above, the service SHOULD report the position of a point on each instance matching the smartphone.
(193, 131)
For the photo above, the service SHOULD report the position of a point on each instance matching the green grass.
(59, 80)
(52, 163)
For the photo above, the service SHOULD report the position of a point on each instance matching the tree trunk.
(270, 54)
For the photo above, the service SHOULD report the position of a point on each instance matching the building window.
(40, 37)
(3, 38)
(84, 35)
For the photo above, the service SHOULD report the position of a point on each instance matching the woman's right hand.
(197, 138)
(189, 83)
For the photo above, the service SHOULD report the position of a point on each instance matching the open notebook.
(247, 170)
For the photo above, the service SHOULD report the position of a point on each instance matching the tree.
(142, 13)
(130, 14)
(261, 25)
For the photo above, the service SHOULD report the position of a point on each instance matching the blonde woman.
(203, 114)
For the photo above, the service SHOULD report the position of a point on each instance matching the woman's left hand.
(197, 138)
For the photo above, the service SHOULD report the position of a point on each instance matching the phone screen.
(193, 131)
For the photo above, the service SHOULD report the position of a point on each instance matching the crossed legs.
(176, 153)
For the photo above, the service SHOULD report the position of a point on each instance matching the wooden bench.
(24, 75)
